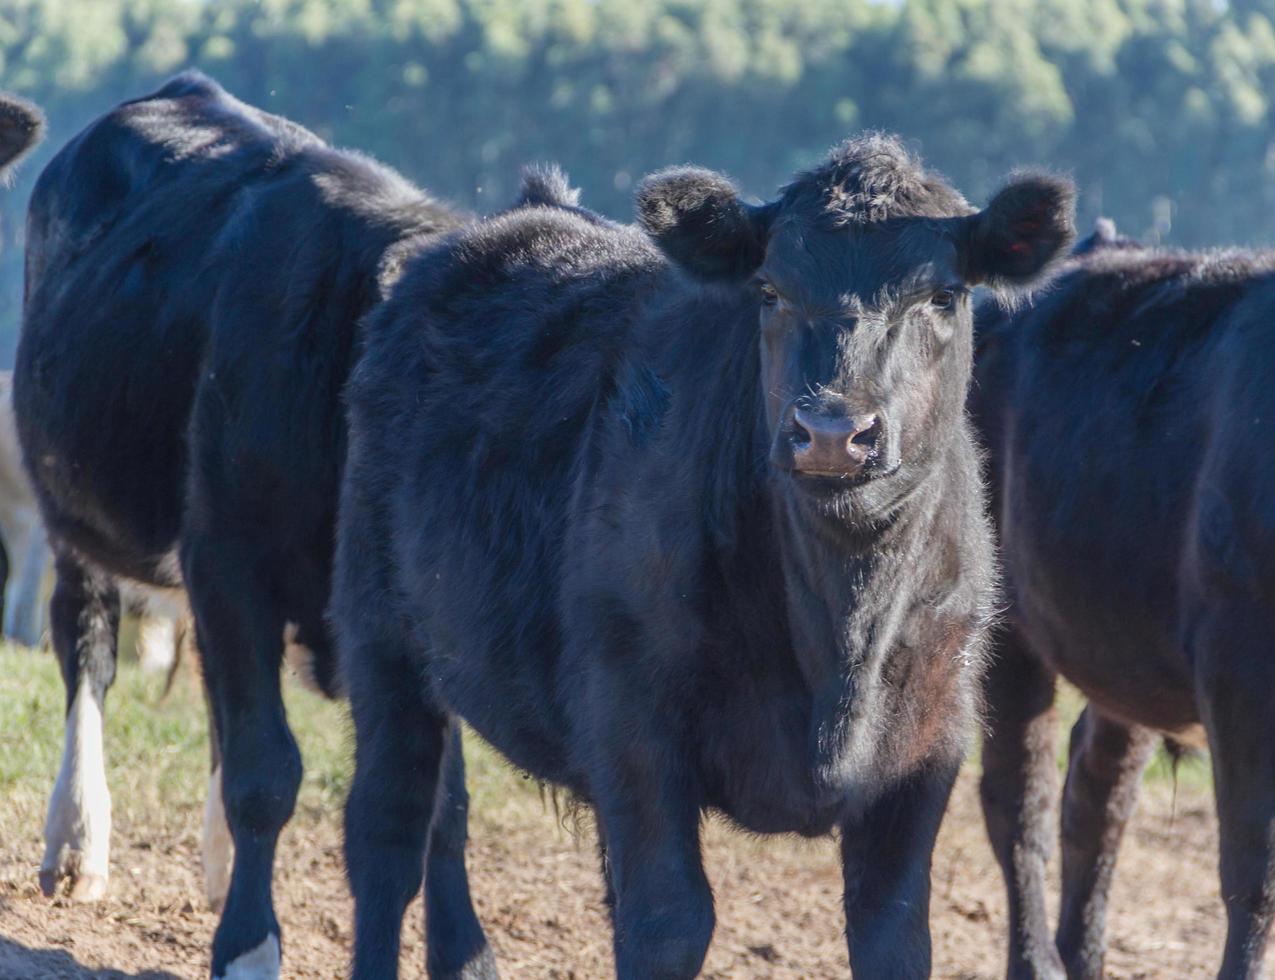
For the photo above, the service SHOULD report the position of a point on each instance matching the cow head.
(860, 274)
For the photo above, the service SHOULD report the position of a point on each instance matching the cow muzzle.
(843, 447)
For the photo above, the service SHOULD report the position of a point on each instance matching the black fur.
(696, 217)
(546, 185)
(1029, 220)
(571, 516)
(196, 270)
(1129, 416)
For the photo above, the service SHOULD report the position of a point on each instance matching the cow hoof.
(84, 887)
(481, 967)
(261, 963)
(88, 888)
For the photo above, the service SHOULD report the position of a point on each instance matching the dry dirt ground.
(536, 886)
(535, 876)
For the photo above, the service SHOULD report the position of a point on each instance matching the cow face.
(860, 273)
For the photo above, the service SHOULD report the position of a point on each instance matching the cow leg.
(400, 742)
(85, 613)
(240, 636)
(456, 946)
(1105, 769)
(886, 853)
(217, 847)
(4, 582)
(1236, 675)
(26, 607)
(1019, 790)
(157, 639)
(604, 863)
(663, 905)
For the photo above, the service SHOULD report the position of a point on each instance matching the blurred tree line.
(1162, 109)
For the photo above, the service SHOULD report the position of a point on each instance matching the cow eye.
(943, 299)
(769, 296)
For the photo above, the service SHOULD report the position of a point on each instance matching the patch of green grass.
(157, 750)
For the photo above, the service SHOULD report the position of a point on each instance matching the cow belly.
(1124, 657)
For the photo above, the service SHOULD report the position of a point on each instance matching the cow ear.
(21, 128)
(697, 219)
(1028, 224)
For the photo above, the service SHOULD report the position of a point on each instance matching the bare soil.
(537, 889)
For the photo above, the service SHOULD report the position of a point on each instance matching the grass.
(157, 751)
(157, 748)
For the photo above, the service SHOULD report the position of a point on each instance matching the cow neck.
(848, 588)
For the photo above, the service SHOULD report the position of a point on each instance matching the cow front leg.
(85, 612)
(240, 637)
(886, 852)
(1235, 677)
(1019, 792)
(1103, 774)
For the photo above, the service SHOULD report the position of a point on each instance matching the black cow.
(196, 270)
(21, 129)
(684, 524)
(1129, 419)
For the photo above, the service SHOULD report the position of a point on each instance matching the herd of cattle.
(699, 513)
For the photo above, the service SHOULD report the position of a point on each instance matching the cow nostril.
(867, 436)
(798, 434)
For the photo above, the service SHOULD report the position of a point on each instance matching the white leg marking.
(156, 642)
(77, 832)
(218, 847)
(261, 963)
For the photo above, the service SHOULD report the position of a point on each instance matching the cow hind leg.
(649, 817)
(4, 581)
(456, 946)
(217, 847)
(25, 612)
(1236, 674)
(239, 632)
(1019, 790)
(1105, 769)
(85, 618)
(400, 743)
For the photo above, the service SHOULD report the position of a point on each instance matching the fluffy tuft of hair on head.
(546, 185)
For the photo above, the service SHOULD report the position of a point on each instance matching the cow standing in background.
(683, 523)
(21, 540)
(1129, 416)
(24, 551)
(196, 272)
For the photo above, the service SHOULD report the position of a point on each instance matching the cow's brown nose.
(834, 445)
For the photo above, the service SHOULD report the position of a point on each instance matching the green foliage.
(1160, 108)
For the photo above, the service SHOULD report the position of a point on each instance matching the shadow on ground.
(18, 962)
